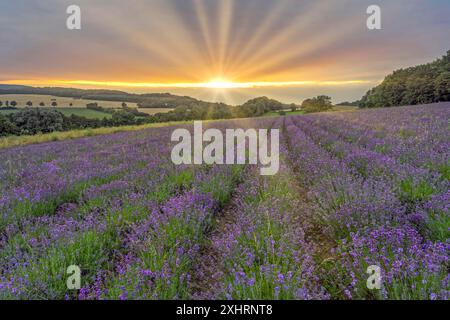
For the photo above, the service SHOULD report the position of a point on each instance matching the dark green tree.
(33, 121)
(123, 118)
(421, 84)
(6, 127)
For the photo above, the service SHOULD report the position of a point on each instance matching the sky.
(219, 50)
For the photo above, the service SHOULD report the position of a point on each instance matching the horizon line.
(213, 84)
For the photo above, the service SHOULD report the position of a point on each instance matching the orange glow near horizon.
(213, 84)
(224, 50)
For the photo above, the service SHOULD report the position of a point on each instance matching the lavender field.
(354, 189)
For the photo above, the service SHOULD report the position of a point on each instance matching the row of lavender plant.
(96, 231)
(45, 176)
(412, 186)
(60, 240)
(421, 140)
(37, 250)
(369, 227)
(261, 253)
(137, 224)
(138, 172)
(158, 252)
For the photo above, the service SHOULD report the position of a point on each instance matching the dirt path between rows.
(206, 278)
(314, 233)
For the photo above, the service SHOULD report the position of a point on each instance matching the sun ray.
(223, 46)
(203, 20)
(225, 14)
(292, 58)
(260, 35)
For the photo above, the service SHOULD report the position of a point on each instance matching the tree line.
(11, 105)
(422, 84)
(29, 121)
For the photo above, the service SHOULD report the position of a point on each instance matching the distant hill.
(12, 87)
(422, 84)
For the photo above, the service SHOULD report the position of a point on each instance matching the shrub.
(6, 127)
(317, 104)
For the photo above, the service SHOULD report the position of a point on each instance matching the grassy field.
(152, 111)
(83, 112)
(70, 103)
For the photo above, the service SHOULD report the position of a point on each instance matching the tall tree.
(421, 84)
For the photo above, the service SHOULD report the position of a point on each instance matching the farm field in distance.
(63, 102)
(354, 190)
(70, 106)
